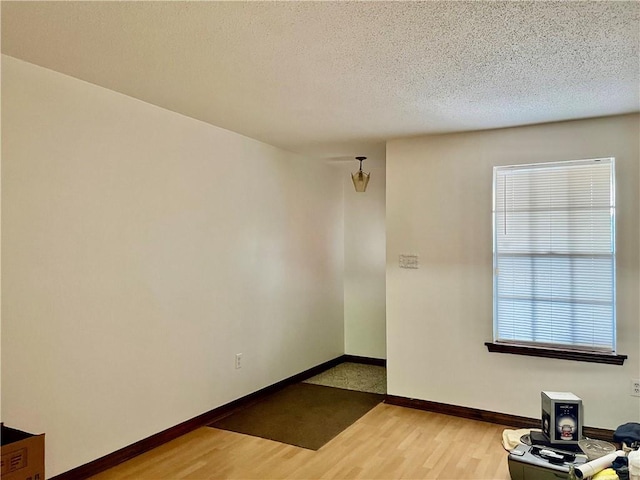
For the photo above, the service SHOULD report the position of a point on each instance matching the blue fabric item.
(621, 466)
(627, 433)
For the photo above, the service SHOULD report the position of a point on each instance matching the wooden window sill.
(611, 359)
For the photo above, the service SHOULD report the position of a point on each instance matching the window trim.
(577, 355)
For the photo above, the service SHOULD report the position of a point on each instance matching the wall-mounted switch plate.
(238, 360)
(409, 261)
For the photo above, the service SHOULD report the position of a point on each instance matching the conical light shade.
(360, 180)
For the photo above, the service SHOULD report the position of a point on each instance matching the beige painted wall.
(364, 261)
(438, 317)
(141, 250)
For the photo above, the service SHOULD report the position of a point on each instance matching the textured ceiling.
(338, 78)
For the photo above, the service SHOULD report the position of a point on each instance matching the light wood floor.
(389, 442)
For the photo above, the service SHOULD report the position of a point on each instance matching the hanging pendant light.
(360, 178)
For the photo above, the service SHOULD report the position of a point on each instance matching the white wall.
(438, 317)
(364, 261)
(141, 250)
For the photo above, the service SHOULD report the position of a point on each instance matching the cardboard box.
(22, 455)
(562, 418)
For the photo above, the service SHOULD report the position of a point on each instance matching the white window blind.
(554, 255)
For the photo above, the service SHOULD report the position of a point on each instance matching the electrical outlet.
(238, 360)
(635, 387)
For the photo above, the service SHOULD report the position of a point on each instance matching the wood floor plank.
(389, 442)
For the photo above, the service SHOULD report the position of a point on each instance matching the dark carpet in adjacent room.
(302, 414)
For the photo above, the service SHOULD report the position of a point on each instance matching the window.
(554, 255)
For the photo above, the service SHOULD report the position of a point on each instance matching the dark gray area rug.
(302, 414)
